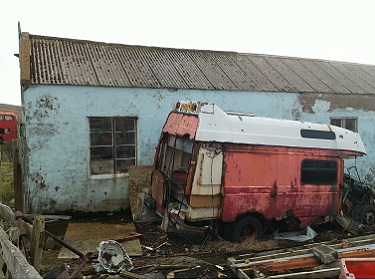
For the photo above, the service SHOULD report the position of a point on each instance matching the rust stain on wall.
(39, 180)
(355, 101)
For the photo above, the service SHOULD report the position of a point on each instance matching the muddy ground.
(178, 256)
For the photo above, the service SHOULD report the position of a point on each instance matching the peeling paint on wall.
(44, 106)
(57, 155)
(39, 180)
(310, 102)
(321, 106)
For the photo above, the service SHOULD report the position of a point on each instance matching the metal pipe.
(22, 236)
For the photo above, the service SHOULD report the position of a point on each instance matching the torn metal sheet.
(349, 225)
(300, 236)
(86, 237)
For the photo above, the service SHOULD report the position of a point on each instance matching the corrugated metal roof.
(59, 61)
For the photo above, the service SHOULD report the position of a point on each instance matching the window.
(319, 172)
(112, 145)
(318, 134)
(348, 123)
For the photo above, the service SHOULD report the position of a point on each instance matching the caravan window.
(319, 172)
(318, 134)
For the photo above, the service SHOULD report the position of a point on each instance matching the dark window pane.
(125, 152)
(319, 172)
(100, 125)
(350, 124)
(336, 122)
(318, 134)
(125, 138)
(98, 139)
(124, 124)
(101, 153)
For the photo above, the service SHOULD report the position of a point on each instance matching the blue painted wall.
(57, 156)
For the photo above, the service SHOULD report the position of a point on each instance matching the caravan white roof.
(216, 125)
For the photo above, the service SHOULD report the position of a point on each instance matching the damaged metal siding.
(267, 180)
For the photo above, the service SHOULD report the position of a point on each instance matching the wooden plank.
(37, 241)
(16, 262)
(25, 59)
(19, 193)
(7, 215)
(318, 274)
(86, 237)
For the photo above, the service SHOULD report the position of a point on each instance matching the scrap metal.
(132, 235)
(22, 237)
(286, 260)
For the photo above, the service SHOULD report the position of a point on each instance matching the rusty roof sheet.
(60, 61)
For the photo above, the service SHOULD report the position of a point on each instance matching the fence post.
(37, 241)
(19, 193)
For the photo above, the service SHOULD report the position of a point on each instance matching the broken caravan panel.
(238, 171)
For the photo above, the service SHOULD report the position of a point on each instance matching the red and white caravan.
(235, 172)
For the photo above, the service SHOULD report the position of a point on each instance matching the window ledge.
(109, 176)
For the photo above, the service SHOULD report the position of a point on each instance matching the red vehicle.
(233, 173)
(8, 127)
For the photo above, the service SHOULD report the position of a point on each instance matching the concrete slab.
(86, 236)
(325, 253)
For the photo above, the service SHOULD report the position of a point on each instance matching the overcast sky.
(339, 30)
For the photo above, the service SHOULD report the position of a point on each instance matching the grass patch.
(6, 184)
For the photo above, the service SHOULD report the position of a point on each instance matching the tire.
(246, 228)
(367, 215)
(1, 140)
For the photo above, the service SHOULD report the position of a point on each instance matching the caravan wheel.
(247, 228)
(367, 215)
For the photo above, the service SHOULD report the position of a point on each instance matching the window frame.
(343, 121)
(312, 170)
(115, 169)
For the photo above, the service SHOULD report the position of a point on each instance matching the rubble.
(325, 254)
